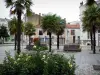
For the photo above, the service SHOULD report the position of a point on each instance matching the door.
(73, 39)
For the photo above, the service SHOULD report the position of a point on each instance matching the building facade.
(72, 32)
(35, 19)
(85, 36)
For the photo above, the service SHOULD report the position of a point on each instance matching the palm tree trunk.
(3, 40)
(15, 41)
(58, 42)
(91, 40)
(18, 30)
(49, 41)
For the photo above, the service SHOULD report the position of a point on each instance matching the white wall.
(69, 37)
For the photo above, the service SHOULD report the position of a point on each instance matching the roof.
(73, 26)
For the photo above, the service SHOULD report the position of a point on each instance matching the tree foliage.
(49, 22)
(60, 26)
(29, 29)
(12, 24)
(17, 7)
(91, 16)
(3, 32)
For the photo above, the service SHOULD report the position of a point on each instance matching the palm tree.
(29, 30)
(90, 19)
(58, 33)
(12, 24)
(17, 7)
(89, 3)
(59, 29)
(12, 28)
(49, 24)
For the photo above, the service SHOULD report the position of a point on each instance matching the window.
(40, 32)
(72, 32)
(99, 31)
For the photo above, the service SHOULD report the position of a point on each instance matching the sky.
(68, 9)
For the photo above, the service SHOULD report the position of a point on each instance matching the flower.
(44, 56)
(34, 46)
(70, 65)
(18, 59)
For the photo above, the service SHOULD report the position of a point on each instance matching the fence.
(53, 40)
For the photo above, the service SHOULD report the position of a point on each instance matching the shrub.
(40, 48)
(36, 41)
(38, 64)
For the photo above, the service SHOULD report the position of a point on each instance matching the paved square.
(84, 59)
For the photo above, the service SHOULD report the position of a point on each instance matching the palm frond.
(91, 17)
(90, 2)
(9, 3)
(29, 12)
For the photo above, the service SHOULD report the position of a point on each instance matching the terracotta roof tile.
(73, 26)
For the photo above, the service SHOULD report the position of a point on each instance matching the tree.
(49, 24)
(12, 28)
(17, 7)
(3, 32)
(59, 29)
(90, 20)
(29, 30)
(12, 24)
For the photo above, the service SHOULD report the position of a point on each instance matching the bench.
(72, 47)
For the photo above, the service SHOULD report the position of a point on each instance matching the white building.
(72, 32)
(85, 37)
